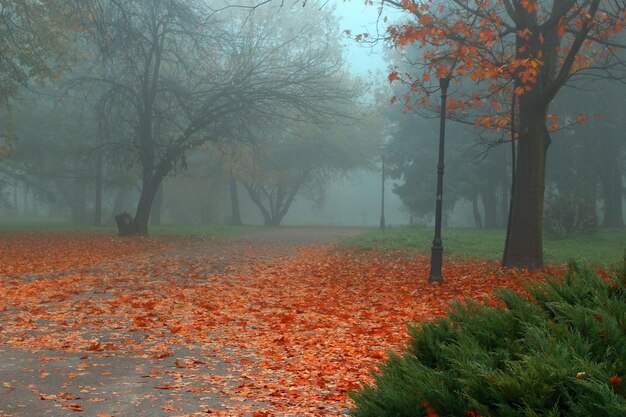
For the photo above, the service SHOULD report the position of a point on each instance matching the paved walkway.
(102, 382)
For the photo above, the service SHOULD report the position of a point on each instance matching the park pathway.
(91, 339)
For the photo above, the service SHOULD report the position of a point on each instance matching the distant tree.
(571, 185)
(62, 158)
(302, 160)
(410, 156)
(53, 156)
(182, 76)
(602, 127)
(524, 50)
(473, 173)
(235, 210)
(32, 41)
(587, 164)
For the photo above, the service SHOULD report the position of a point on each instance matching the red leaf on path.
(94, 346)
(198, 389)
(167, 386)
(73, 406)
(179, 364)
(68, 396)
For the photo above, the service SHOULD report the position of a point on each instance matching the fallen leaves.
(73, 406)
(45, 253)
(296, 333)
(62, 399)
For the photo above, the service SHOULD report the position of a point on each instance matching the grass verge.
(602, 247)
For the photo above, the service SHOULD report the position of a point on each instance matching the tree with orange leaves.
(520, 51)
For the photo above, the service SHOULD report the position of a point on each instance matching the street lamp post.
(436, 257)
(382, 195)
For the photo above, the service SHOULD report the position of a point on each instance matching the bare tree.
(300, 160)
(183, 77)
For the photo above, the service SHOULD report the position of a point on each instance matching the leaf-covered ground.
(182, 326)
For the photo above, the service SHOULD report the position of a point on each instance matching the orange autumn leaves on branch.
(503, 47)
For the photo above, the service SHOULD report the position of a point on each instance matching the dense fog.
(180, 112)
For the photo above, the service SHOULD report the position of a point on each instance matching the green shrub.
(561, 354)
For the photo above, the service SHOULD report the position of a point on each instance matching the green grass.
(602, 247)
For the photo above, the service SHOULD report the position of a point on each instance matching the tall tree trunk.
(155, 214)
(152, 178)
(142, 215)
(524, 248)
(235, 213)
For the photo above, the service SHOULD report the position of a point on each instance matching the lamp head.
(445, 62)
(444, 82)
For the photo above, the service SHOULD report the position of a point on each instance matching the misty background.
(62, 150)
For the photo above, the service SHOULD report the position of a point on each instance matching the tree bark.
(142, 215)
(235, 213)
(524, 248)
(155, 214)
(152, 178)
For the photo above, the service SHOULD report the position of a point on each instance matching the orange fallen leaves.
(73, 406)
(37, 253)
(297, 333)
